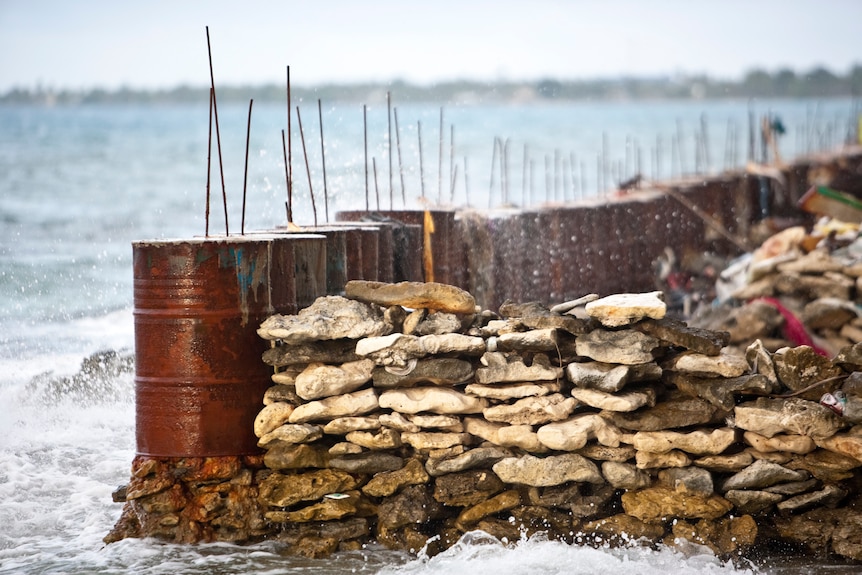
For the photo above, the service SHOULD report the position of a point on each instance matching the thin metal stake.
(209, 164)
(400, 163)
(307, 169)
(466, 184)
(245, 170)
(376, 189)
(365, 139)
(493, 166)
(421, 167)
(218, 134)
(389, 146)
(289, 164)
(323, 160)
(286, 179)
(452, 168)
(440, 163)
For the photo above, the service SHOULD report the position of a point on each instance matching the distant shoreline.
(817, 83)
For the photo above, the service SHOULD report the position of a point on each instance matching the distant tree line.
(785, 83)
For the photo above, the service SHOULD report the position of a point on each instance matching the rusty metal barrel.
(200, 380)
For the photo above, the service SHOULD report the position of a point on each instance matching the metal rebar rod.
(209, 167)
(286, 178)
(466, 184)
(556, 174)
(583, 173)
(452, 168)
(504, 168)
(376, 190)
(289, 165)
(218, 133)
(493, 166)
(365, 143)
(452, 185)
(421, 167)
(564, 169)
(605, 152)
(440, 163)
(245, 169)
(704, 134)
(307, 169)
(679, 148)
(323, 162)
(400, 163)
(389, 147)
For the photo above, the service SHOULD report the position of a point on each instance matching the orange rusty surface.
(199, 375)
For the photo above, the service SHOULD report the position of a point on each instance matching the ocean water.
(78, 185)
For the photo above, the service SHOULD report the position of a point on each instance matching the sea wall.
(401, 418)
(403, 412)
(562, 250)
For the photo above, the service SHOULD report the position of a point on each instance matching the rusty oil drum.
(200, 380)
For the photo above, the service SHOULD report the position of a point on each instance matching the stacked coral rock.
(402, 414)
(799, 287)
(191, 499)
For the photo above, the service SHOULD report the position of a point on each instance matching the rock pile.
(191, 499)
(402, 412)
(798, 287)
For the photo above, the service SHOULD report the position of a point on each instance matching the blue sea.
(79, 184)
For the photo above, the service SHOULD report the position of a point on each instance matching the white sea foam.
(539, 556)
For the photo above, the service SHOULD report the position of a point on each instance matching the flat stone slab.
(329, 317)
(627, 308)
(416, 295)
(769, 417)
(331, 352)
(608, 377)
(343, 425)
(532, 410)
(568, 306)
(369, 462)
(503, 368)
(626, 346)
(397, 349)
(431, 399)
(427, 440)
(623, 401)
(512, 390)
(665, 502)
(347, 405)
(724, 364)
(435, 370)
(761, 474)
(671, 414)
(291, 433)
(547, 471)
(705, 341)
(521, 436)
(698, 442)
(319, 380)
(386, 483)
(574, 433)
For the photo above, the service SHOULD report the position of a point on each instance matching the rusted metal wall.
(599, 245)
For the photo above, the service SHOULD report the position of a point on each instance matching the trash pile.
(403, 414)
(797, 288)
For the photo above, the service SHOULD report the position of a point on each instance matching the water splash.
(104, 377)
(537, 555)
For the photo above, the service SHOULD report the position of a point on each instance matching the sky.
(82, 44)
